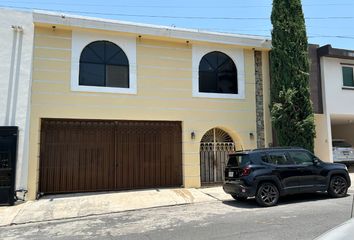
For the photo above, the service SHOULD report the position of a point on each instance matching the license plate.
(346, 153)
(231, 174)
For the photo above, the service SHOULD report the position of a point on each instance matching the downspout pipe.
(11, 76)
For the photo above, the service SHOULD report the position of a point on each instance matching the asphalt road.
(296, 217)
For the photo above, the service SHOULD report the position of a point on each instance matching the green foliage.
(291, 107)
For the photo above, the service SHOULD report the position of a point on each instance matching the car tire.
(267, 194)
(239, 198)
(338, 187)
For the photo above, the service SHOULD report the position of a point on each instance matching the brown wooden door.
(98, 155)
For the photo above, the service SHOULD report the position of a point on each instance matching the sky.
(327, 21)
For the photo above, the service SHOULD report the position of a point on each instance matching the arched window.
(104, 64)
(217, 74)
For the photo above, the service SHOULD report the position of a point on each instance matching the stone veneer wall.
(259, 99)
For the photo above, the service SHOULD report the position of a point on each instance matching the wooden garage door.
(97, 155)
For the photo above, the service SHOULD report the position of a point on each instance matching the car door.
(308, 177)
(285, 170)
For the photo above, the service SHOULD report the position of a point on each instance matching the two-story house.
(16, 48)
(333, 89)
(117, 105)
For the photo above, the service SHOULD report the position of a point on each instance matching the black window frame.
(215, 69)
(105, 62)
(352, 76)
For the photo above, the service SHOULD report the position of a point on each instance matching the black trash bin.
(8, 158)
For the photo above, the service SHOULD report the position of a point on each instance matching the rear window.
(239, 160)
(342, 144)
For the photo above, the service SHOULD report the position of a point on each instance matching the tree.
(291, 107)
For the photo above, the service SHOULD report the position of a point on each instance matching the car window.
(277, 158)
(239, 160)
(301, 158)
(264, 158)
(342, 144)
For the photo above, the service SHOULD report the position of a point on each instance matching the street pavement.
(296, 217)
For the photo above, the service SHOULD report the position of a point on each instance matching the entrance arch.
(215, 146)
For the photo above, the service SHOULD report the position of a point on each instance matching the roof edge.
(148, 29)
(328, 51)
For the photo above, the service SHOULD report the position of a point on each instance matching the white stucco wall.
(16, 49)
(338, 100)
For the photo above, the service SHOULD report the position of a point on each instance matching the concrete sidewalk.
(68, 206)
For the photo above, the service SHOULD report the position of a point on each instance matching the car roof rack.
(275, 148)
(265, 149)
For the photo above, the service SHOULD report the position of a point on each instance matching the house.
(332, 86)
(16, 47)
(116, 105)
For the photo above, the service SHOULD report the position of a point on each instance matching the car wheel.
(267, 195)
(239, 198)
(338, 187)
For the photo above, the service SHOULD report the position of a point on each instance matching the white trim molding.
(80, 39)
(48, 17)
(236, 54)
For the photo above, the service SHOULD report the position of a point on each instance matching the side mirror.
(316, 161)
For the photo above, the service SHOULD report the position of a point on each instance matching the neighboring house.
(117, 105)
(332, 90)
(16, 47)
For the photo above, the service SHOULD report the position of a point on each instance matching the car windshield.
(239, 160)
(342, 144)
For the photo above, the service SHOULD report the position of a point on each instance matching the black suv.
(272, 172)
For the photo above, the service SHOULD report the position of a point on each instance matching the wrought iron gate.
(215, 147)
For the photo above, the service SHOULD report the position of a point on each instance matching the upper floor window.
(103, 64)
(217, 74)
(348, 77)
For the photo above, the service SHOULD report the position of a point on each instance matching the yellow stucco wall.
(164, 93)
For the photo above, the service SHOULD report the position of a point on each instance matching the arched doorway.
(215, 146)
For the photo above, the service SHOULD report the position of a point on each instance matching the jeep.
(269, 173)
